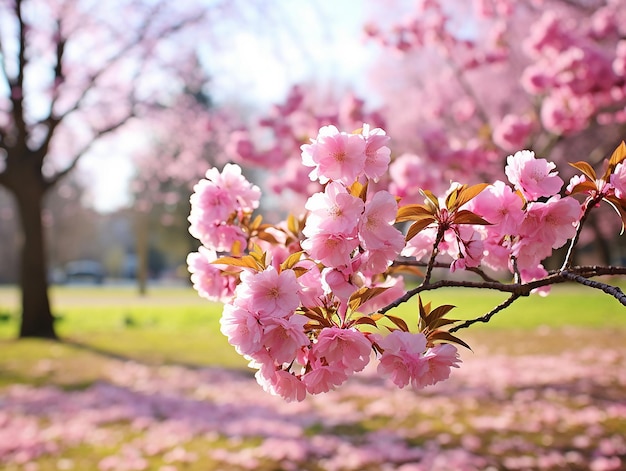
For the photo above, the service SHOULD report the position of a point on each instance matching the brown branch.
(608, 289)
(487, 317)
(431, 263)
(517, 290)
(53, 180)
(590, 204)
(17, 85)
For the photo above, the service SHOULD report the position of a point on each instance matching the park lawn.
(174, 326)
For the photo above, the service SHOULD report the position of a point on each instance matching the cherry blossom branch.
(429, 269)
(487, 317)
(590, 204)
(614, 291)
(578, 274)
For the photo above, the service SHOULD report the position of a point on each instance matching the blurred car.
(84, 271)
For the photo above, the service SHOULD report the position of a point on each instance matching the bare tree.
(72, 74)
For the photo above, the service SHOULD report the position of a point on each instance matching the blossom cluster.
(527, 219)
(304, 298)
(300, 318)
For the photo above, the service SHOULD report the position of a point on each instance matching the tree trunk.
(141, 231)
(37, 319)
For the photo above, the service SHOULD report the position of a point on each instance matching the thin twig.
(431, 263)
(487, 317)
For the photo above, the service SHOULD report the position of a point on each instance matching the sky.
(300, 41)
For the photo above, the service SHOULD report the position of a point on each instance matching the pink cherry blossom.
(512, 132)
(220, 194)
(242, 328)
(330, 249)
(499, 205)
(337, 156)
(376, 225)
(207, 278)
(323, 378)
(401, 358)
(618, 180)
(216, 236)
(270, 292)
(283, 337)
(470, 243)
(346, 347)
(377, 154)
(335, 211)
(281, 383)
(438, 361)
(551, 223)
(533, 177)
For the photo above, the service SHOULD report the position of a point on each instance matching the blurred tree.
(73, 74)
(485, 78)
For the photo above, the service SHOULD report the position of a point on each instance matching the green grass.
(174, 325)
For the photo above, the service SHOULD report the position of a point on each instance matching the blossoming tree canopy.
(308, 300)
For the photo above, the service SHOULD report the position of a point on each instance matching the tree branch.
(17, 86)
(487, 317)
(590, 203)
(609, 289)
(53, 180)
(579, 274)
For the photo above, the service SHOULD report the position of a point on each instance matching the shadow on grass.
(113, 355)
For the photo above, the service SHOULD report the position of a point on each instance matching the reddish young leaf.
(467, 217)
(291, 260)
(443, 336)
(399, 322)
(468, 193)
(418, 226)
(584, 187)
(365, 320)
(431, 200)
(413, 212)
(618, 156)
(362, 295)
(245, 262)
(586, 169)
